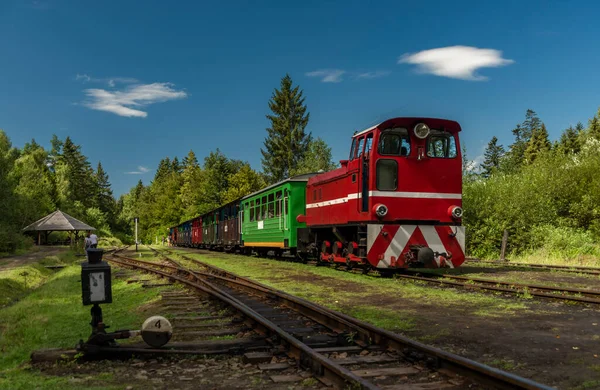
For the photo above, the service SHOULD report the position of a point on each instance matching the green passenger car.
(269, 215)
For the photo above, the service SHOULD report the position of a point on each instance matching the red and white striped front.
(387, 245)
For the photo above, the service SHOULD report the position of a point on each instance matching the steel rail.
(492, 285)
(320, 365)
(591, 293)
(479, 372)
(557, 267)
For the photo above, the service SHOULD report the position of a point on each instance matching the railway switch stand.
(96, 288)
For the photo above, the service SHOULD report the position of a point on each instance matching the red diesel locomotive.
(395, 203)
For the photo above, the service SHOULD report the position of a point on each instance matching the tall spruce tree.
(164, 167)
(538, 144)
(569, 141)
(492, 157)
(104, 195)
(287, 141)
(190, 191)
(594, 126)
(79, 174)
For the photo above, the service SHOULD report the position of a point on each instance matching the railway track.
(340, 350)
(552, 267)
(561, 293)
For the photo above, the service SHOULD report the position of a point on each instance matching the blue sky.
(133, 82)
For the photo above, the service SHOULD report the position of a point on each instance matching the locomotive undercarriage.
(347, 245)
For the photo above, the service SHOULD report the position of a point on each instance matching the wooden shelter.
(58, 221)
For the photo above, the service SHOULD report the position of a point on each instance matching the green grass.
(343, 290)
(15, 283)
(52, 316)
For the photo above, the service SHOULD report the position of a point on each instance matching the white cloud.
(372, 75)
(328, 75)
(141, 170)
(83, 77)
(111, 81)
(128, 101)
(458, 62)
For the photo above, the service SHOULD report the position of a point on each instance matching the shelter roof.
(57, 221)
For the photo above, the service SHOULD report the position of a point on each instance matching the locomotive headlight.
(380, 210)
(421, 130)
(455, 212)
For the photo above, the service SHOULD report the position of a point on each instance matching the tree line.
(544, 193)
(35, 181)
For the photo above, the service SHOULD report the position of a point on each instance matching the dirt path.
(37, 253)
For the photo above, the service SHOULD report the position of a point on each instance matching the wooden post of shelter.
(503, 248)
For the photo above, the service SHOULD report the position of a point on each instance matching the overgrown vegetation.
(35, 181)
(52, 316)
(545, 194)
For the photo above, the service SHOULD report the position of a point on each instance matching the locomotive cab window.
(359, 149)
(352, 148)
(441, 145)
(369, 144)
(394, 142)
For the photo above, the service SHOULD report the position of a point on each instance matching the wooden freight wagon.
(197, 232)
(210, 231)
(229, 232)
(269, 216)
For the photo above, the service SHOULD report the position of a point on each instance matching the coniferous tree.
(79, 175)
(569, 141)
(104, 195)
(190, 192)
(492, 157)
(538, 144)
(176, 166)
(522, 133)
(164, 167)
(594, 126)
(286, 142)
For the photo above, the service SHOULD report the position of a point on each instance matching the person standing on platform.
(93, 240)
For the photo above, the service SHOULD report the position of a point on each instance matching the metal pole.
(136, 238)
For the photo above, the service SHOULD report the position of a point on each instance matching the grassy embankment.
(47, 313)
(389, 303)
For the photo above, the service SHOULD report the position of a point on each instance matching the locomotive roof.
(453, 124)
(303, 177)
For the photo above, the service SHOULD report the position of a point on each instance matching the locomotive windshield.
(394, 142)
(441, 145)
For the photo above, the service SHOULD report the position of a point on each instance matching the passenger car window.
(441, 145)
(394, 142)
(387, 175)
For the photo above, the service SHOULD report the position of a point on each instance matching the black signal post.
(96, 288)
